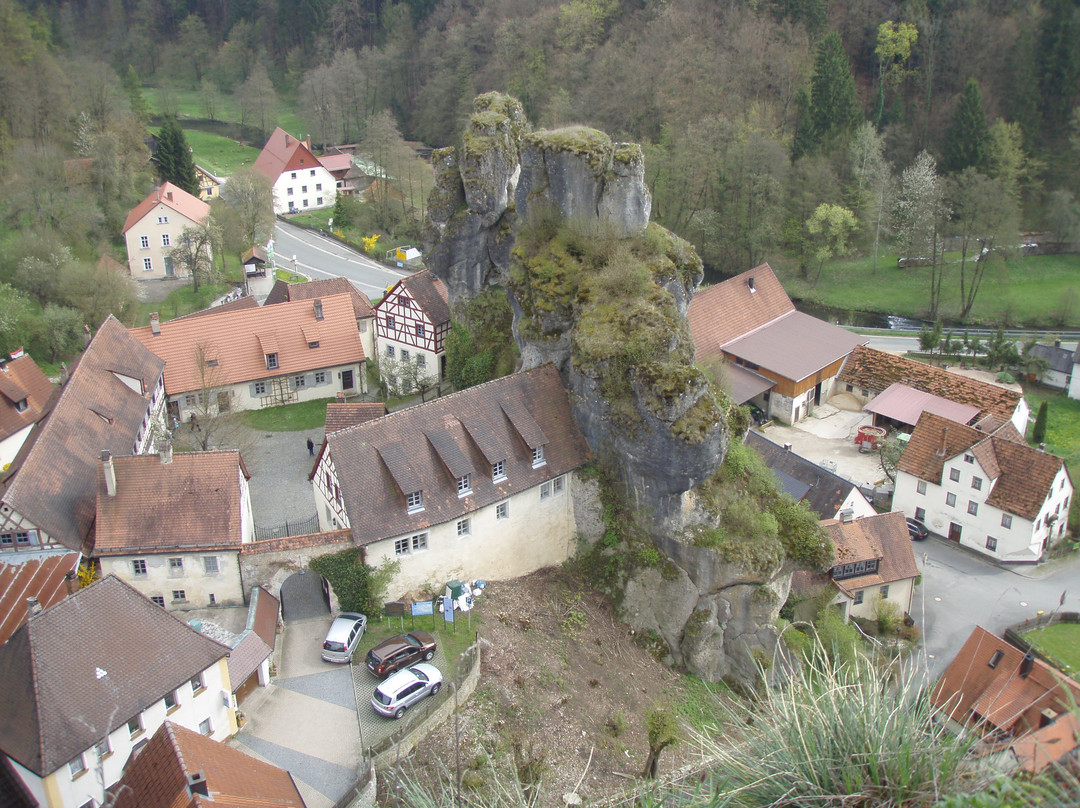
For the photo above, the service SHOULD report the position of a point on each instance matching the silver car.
(396, 694)
(343, 637)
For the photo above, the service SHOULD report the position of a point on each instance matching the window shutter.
(251, 391)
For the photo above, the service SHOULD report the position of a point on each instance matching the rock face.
(560, 219)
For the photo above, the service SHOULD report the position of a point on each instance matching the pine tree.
(834, 108)
(1059, 59)
(174, 161)
(968, 140)
(1038, 432)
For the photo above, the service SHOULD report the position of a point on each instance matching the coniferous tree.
(1038, 432)
(968, 139)
(174, 161)
(1059, 59)
(834, 108)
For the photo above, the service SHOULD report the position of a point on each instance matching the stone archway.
(304, 595)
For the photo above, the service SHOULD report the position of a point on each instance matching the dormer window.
(314, 344)
(498, 471)
(538, 456)
(211, 363)
(463, 486)
(271, 361)
(21, 405)
(415, 501)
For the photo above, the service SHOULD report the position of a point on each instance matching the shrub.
(359, 588)
(887, 616)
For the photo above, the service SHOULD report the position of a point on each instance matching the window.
(995, 659)
(170, 701)
(858, 597)
(954, 475)
(950, 500)
(884, 591)
(210, 565)
(401, 547)
(318, 201)
(420, 329)
(419, 541)
(538, 456)
(545, 490)
(144, 242)
(271, 361)
(1038, 524)
(973, 507)
(138, 566)
(1006, 520)
(76, 766)
(303, 189)
(147, 265)
(179, 595)
(390, 322)
(463, 527)
(304, 203)
(159, 600)
(292, 175)
(498, 471)
(415, 501)
(176, 566)
(404, 355)
(318, 185)
(920, 514)
(969, 458)
(320, 377)
(921, 486)
(162, 219)
(259, 388)
(299, 382)
(390, 351)
(102, 748)
(557, 485)
(313, 172)
(189, 399)
(551, 487)
(463, 486)
(421, 360)
(502, 510)
(976, 483)
(205, 728)
(197, 684)
(164, 239)
(991, 544)
(288, 191)
(135, 726)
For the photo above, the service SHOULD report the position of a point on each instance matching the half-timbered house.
(411, 323)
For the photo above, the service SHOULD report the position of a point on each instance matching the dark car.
(400, 652)
(917, 530)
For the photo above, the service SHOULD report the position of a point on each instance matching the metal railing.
(291, 527)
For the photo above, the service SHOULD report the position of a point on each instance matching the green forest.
(829, 137)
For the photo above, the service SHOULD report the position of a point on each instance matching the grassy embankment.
(1059, 642)
(1062, 439)
(1038, 291)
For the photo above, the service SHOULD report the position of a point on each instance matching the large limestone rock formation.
(560, 219)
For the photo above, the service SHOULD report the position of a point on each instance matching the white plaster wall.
(537, 534)
(309, 177)
(148, 226)
(197, 584)
(9, 446)
(858, 503)
(900, 593)
(1074, 382)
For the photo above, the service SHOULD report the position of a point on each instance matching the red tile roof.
(1051, 744)
(43, 577)
(874, 370)
(191, 503)
(342, 416)
(283, 152)
(726, 311)
(241, 339)
(68, 683)
(257, 640)
(429, 293)
(425, 448)
(177, 199)
(21, 380)
(884, 536)
(283, 292)
(53, 480)
(971, 690)
(158, 776)
(1022, 477)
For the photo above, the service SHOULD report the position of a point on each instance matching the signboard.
(423, 607)
(394, 609)
(448, 609)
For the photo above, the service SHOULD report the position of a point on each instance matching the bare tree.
(918, 216)
(257, 98)
(251, 196)
(212, 423)
(194, 250)
(874, 176)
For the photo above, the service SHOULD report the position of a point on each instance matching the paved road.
(322, 257)
(961, 590)
(898, 344)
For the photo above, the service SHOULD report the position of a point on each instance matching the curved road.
(320, 257)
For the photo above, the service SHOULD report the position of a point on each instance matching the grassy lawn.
(221, 156)
(1060, 642)
(289, 417)
(1062, 437)
(188, 104)
(289, 277)
(452, 642)
(1028, 290)
(178, 303)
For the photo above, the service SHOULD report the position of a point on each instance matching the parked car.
(400, 652)
(917, 530)
(343, 637)
(406, 687)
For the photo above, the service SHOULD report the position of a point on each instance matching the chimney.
(168, 195)
(110, 472)
(1042, 447)
(318, 310)
(155, 324)
(1057, 343)
(33, 608)
(63, 373)
(787, 447)
(71, 580)
(166, 452)
(750, 283)
(1026, 664)
(847, 516)
(196, 784)
(288, 140)
(944, 441)
(307, 142)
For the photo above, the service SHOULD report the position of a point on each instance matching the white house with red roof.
(300, 181)
(153, 228)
